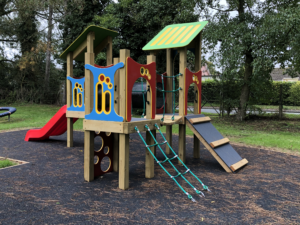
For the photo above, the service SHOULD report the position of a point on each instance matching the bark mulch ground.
(51, 189)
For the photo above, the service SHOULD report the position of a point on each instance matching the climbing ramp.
(218, 146)
(169, 160)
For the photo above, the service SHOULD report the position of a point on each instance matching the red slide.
(57, 125)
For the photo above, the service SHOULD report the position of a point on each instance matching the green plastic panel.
(175, 36)
(100, 34)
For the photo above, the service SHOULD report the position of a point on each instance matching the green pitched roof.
(175, 36)
(100, 34)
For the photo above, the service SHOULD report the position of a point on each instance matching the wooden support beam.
(181, 144)
(168, 138)
(149, 160)
(198, 47)
(109, 51)
(116, 106)
(124, 161)
(124, 53)
(209, 148)
(200, 120)
(238, 165)
(223, 141)
(182, 66)
(69, 132)
(182, 127)
(89, 80)
(150, 58)
(69, 99)
(101, 46)
(80, 49)
(117, 88)
(116, 153)
(168, 105)
(89, 104)
(89, 155)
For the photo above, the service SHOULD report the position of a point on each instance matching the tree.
(138, 21)
(254, 36)
(75, 21)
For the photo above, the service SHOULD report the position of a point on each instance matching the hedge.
(229, 93)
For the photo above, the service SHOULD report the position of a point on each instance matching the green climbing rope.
(165, 91)
(169, 160)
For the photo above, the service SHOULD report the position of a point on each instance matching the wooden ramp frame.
(215, 143)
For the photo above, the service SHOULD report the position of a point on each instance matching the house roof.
(277, 74)
(175, 36)
(205, 71)
(100, 34)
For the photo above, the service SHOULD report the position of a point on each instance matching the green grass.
(261, 131)
(31, 116)
(266, 130)
(6, 163)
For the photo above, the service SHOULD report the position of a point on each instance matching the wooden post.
(182, 128)
(149, 161)
(123, 138)
(89, 155)
(69, 99)
(198, 47)
(169, 101)
(116, 136)
(109, 52)
(89, 104)
(124, 161)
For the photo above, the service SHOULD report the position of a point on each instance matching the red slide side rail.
(57, 125)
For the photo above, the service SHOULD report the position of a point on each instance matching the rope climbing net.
(173, 91)
(167, 159)
(163, 92)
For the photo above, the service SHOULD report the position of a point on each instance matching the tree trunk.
(246, 86)
(48, 53)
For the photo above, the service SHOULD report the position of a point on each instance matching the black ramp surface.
(211, 134)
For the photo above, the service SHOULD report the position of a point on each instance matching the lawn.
(262, 131)
(6, 163)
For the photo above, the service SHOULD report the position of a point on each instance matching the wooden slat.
(79, 50)
(129, 127)
(208, 147)
(239, 164)
(168, 119)
(119, 127)
(105, 126)
(217, 143)
(124, 161)
(75, 114)
(199, 120)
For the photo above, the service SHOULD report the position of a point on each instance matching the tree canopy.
(245, 38)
